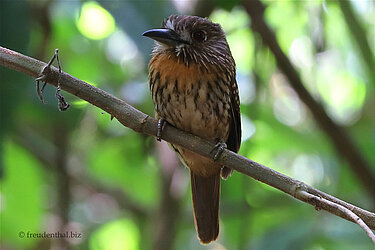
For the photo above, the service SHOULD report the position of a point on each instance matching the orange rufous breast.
(193, 99)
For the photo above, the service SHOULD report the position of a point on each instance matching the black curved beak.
(165, 36)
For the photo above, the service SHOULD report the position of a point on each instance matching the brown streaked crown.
(200, 41)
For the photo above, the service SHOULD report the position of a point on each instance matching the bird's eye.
(199, 36)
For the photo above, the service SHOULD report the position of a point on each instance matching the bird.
(192, 80)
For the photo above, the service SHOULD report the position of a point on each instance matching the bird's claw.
(218, 149)
(161, 124)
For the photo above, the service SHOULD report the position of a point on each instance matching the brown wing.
(234, 138)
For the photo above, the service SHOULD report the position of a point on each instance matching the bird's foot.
(161, 125)
(218, 149)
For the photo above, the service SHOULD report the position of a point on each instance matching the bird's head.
(192, 39)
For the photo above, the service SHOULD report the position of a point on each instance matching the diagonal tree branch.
(142, 123)
(341, 140)
(359, 36)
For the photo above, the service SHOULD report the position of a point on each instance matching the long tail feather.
(206, 194)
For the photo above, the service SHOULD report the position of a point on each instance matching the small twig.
(320, 202)
(43, 76)
(40, 90)
(63, 104)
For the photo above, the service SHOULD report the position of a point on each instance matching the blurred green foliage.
(81, 171)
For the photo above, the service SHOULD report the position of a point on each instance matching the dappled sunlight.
(287, 107)
(246, 88)
(288, 20)
(241, 42)
(120, 47)
(301, 53)
(343, 93)
(308, 169)
(121, 50)
(94, 21)
(120, 234)
(242, 45)
(248, 128)
(288, 110)
(232, 20)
